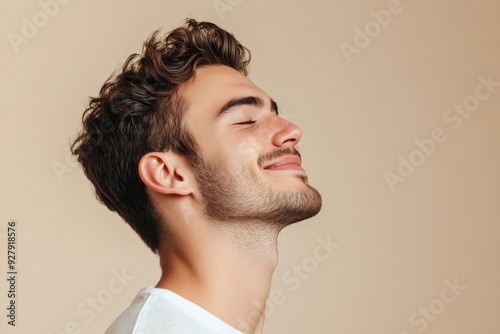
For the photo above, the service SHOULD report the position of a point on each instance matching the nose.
(285, 133)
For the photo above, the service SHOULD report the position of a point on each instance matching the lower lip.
(287, 167)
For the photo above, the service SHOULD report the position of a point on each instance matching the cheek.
(249, 146)
(237, 148)
(247, 152)
(241, 160)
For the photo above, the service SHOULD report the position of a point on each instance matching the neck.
(224, 268)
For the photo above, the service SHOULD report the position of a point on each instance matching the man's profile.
(194, 157)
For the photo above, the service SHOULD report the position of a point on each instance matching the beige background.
(396, 247)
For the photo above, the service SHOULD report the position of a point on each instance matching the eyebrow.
(248, 101)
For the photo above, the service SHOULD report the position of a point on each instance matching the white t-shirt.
(161, 311)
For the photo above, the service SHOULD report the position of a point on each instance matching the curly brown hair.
(138, 111)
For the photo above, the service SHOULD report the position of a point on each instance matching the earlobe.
(162, 172)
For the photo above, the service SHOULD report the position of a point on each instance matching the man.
(194, 156)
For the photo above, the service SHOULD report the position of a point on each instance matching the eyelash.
(247, 122)
(252, 122)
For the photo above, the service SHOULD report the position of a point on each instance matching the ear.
(164, 173)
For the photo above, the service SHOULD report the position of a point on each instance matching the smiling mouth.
(287, 167)
(286, 163)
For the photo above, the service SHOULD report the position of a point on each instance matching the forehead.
(214, 85)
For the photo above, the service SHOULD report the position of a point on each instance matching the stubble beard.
(234, 194)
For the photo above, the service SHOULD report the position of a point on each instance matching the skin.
(224, 261)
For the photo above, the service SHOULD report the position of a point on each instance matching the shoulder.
(161, 311)
(130, 317)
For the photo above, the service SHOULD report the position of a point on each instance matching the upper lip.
(294, 160)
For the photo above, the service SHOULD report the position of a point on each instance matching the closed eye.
(247, 122)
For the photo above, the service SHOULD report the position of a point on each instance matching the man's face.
(250, 168)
